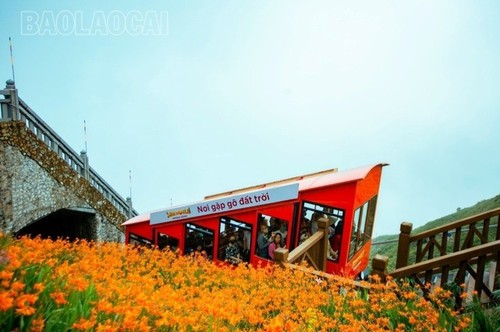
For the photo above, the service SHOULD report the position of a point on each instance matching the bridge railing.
(14, 108)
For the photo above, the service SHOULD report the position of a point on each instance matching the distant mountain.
(389, 244)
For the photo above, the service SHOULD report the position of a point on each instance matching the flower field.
(56, 286)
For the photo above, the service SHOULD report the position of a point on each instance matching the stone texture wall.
(35, 182)
(5, 191)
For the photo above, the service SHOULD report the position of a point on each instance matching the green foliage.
(38, 281)
(79, 305)
(483, 319)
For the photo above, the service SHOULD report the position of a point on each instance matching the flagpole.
(12, 60)
(85, 134)
(130, 182)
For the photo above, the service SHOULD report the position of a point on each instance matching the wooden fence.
(463, 253)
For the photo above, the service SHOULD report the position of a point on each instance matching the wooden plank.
(480, 275)
(404, 244)
(478, 283)
(444, 244)
(325, 275)
(445, 274)
(469, 238)
(419, 254)
(486, 229)
(498, 228)
(450, 259)
(479, 235)
(305, 246)
(456, 224)
(456, 244)
(424, 252)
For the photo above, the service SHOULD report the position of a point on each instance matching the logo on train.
(179, 213)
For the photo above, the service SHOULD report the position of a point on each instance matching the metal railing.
(14, 108)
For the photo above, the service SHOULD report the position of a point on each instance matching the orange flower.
(6, 275)
(6, 301)
(141, 290)
(83, 324)
(58, 297)
(17, 286)
(25, 311)
(39, 287)
(78, 284)
(24, 299)
(411, 295)
(37, 325)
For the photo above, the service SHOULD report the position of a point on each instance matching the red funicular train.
(250, 218)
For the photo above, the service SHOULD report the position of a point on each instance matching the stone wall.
(35, 182)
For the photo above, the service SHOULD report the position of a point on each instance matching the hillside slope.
(390, 249)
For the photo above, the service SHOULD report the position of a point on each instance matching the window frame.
(201, 229)
(362, 225)
(168, 244)
(247, 227)
(329, 211)
(265, 216)
(137, 240)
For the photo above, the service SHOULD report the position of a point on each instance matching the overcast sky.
(200, 97)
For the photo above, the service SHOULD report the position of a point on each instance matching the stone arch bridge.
(48, 189)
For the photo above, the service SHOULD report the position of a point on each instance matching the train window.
(268, 227)
(311, 212)
(137, 240)
(235, 238)
(362, 226)
(199, 240)
(370, 218)
(167, 242)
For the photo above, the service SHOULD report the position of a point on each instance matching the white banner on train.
(227, 204)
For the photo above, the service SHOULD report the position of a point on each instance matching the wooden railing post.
(404, 244)
(323, 244)
(281, 256)
(379, 266)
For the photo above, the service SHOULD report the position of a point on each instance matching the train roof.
(138, 219)
(310, 181)
(305, 182)
(330, 179)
